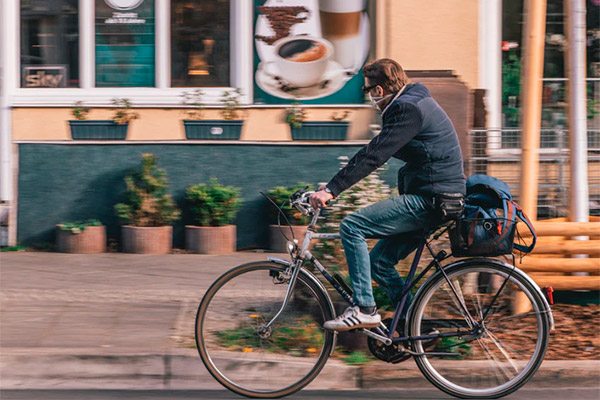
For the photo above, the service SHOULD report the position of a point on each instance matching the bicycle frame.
(382, 333)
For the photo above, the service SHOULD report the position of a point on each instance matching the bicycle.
(259, 326)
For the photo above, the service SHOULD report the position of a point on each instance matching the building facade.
(175, 59)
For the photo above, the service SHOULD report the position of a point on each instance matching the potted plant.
(336, 129)
(115, 129)
(281, 196)
(83, 237)
(229, 128)
(149, 210)
(213, 208)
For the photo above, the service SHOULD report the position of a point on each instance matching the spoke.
(459, 301)
(451, 310)
(499, 304)
(495, 360)
(491, 358)
(512, 317)
(476, 300)
(456, 308)
(497, 342)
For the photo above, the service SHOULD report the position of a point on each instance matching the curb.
(186, 371)
(149, 371)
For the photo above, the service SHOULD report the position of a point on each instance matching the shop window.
(200, 43)
(125, 43)
(49, 43)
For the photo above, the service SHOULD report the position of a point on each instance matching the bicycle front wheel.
(249, 359)
(508, 340)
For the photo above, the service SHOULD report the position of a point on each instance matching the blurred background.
(97, 93)
(158, 55)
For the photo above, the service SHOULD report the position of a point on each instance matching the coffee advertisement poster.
(310, 51)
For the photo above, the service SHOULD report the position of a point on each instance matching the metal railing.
(498, 153)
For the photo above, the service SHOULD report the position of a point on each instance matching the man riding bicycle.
(417, 131)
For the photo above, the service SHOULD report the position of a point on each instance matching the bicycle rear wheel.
(510, 345)
(256, 363)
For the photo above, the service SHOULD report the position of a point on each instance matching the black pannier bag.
(488, 223)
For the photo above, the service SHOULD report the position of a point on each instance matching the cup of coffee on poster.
(340, 25)
(302, 60)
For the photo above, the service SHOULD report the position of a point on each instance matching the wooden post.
(531, 101)
(531, 111)
(520, 304)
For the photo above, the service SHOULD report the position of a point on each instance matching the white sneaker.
(353, 318)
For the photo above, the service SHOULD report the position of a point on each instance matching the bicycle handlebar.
(300, 201)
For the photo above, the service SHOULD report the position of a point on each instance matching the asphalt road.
(410, 394)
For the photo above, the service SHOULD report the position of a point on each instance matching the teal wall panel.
(60, 183)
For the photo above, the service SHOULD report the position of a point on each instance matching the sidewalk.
(127, 321)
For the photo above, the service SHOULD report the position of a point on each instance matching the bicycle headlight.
(291, 246)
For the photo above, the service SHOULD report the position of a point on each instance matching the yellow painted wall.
(261, 124)
(421, 35)
(430, 34)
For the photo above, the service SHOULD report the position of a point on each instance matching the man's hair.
(386, 73)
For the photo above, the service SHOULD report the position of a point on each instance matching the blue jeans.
(399, 222)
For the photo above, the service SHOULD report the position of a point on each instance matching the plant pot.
(147, 239)
(210, 239)
(94, 130)
(91, 240)
(213, 129)
(321, 130)
(278, 243)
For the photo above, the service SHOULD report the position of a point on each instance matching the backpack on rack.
(488, 224)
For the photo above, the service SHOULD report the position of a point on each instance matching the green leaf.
(212, 204)
(148, 201)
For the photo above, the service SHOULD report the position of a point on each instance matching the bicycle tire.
(505, 352)
(263, 371)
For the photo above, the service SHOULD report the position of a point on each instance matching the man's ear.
(379, 91)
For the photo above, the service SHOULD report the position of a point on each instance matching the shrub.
(295, 115)
(281, 196)
(213, 204)
(195, 102)
(231, 103)
(80, 112)
(148, 200)
(78, 227)
(357, 358)
(123, 113)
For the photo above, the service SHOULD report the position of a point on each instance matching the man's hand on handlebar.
(319, 199)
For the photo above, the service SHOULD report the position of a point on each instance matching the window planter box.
(213, 129)
(95, 130)
(321, 130)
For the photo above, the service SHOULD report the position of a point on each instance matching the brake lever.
(298, 194)
(303, 210)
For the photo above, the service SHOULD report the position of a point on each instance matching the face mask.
(376, 100)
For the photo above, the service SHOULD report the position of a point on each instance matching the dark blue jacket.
(418, 131)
